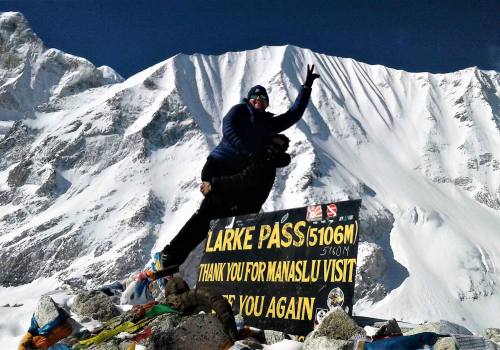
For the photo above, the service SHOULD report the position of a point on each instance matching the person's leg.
(190, 235)
(196, 228)
(211, 168)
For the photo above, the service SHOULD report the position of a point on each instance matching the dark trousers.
(213, 206)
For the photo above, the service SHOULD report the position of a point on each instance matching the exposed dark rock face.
(369, 272)
(18, 175)
(40, 256)
(13, 145)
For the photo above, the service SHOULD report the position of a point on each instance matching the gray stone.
(338, 325)
(112, 344)
(96, 305)
(46, 311)
(492, 334)
(162, 328)
(389, 328)
(165, 322)
(201, 332)
(273, 337)
(441, 327)
(247, 344)
(447, 343)
(325, 343)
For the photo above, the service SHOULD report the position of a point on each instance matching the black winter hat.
(257, 90)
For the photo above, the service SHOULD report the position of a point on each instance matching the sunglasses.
(260, 97)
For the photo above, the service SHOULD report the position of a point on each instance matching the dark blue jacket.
(246, 191)
(246, 131)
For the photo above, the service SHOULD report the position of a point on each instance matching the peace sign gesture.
(310, 76)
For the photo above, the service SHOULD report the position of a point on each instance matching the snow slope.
(97, 180)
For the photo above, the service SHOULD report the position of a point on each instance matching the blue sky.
(434, 36)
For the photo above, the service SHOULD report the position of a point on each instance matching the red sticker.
(331, 211)
(314, 213)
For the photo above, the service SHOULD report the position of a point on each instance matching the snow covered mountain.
(97, 176)
(31, 74)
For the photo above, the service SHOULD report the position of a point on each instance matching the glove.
(310, 77)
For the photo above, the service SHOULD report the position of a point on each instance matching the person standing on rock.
(248, 133)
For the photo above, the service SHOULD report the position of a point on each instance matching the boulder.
(447, 343)
(325, 343)
(162, 329)
(337, 324)
(492, 334)
(95, 304)
(165, 323)
(46, 311)
(336, 331)
(390, 328)
(272, 337)
(201, 332)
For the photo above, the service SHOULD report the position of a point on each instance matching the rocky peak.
(17, 40)
(31, 74)
(15, 31)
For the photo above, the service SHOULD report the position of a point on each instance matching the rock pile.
(174, 322)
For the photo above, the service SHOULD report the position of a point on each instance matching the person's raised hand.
(310, 77)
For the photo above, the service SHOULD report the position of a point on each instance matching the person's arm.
(293, 115)
(233, 126)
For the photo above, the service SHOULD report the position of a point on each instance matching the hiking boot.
(169, 264)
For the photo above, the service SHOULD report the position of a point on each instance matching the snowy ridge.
(98, 180)
(31, 74)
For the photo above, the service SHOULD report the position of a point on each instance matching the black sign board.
(285, 269)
